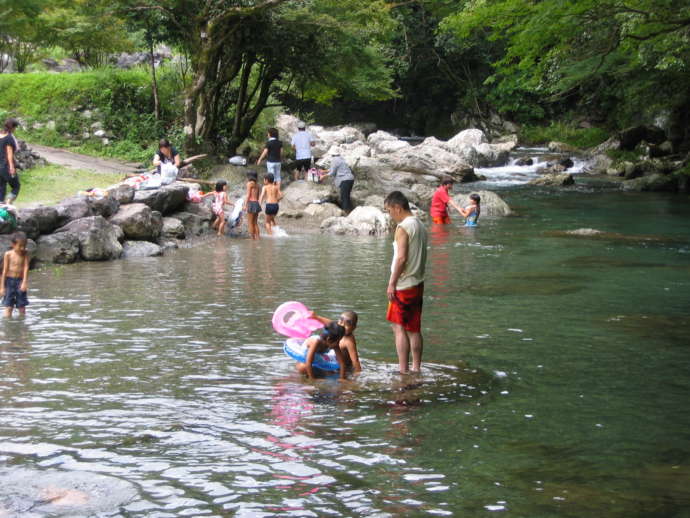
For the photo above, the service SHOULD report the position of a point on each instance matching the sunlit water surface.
(556, 381)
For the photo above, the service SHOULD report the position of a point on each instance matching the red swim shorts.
(441, 220)
(406, 308)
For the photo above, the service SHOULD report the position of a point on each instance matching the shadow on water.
(529, 284)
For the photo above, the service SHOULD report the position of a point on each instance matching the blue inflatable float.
(295, 349)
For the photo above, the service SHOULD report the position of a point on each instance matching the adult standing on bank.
(273, 155)
(343, 179)
(8, 170)
(302, 142)
(406, 283)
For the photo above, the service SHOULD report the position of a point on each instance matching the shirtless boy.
(348, 343)
(270, 193)
(15, 276)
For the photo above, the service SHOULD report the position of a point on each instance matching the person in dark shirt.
(8, 171)
(166, 154)
(272, 152)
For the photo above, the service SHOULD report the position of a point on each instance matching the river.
(555, 384)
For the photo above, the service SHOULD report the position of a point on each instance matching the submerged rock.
(322, 211)
(172, 227)
(194, 225)
(654, 182)
(140, 249)
(554, 180)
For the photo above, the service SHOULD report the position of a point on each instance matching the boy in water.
(251, 205)
(348, 343)
(15, 276)
(270, 193)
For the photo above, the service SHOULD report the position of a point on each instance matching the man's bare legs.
(404, 342)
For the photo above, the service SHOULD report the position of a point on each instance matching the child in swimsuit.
(251, 205)
(348, 343)
(472, 211)
(270, 193)
(328, 339)
(15, 276)
(220, 200)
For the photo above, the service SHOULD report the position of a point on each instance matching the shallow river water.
(556, 378)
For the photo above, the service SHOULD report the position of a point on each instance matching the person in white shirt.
(302, 142)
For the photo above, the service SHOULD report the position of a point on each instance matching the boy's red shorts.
(441, 220)
(406, 308)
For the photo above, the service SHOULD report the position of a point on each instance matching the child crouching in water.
(472, 211)
(348, 343)
(15, 276)
(328, 339)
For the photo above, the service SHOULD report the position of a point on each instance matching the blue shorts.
(13, 297)
(274, 169)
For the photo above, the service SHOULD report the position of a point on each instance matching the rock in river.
(60, 248)
(98, 239)
(492, 204)
(362, 221)
(165, 200)
(138, 221)
(140, 249)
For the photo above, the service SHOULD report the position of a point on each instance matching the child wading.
(220, 200)
(251, 205)
(15, 276)
(472, 211)
(270, 193)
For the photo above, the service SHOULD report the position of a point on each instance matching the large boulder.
(140, 249)
(123, 193)
(362, 221)
(492, 204)
(172, 227)
(138, 221)
(60, 248)
(561, 147)
(429, 160)
(98, 239)
(165, 200)
(202, 208)
(383, 142)
(28, 225)
(322, 211)
(554, 180)
(194, 225)
(104, 206)
(71, 209)
(492, 155)
(46, 217)
(351, 153)
(298, 195)
(466, 138)
(654, 182)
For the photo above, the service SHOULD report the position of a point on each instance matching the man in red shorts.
(440, 202)
(406, 284)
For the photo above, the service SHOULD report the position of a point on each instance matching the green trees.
(618, 59)
(246, 54)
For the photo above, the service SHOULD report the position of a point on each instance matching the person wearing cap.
(343, 180)
(302, 142)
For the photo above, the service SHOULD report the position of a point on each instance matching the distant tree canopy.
(428, 65)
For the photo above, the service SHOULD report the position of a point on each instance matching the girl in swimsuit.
(220, 200)
(328, 339)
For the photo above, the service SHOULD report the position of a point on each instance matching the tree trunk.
(154, 83)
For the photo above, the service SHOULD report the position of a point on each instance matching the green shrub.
(563, 132)
(121, 100)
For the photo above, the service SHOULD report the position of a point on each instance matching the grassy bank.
(59, 109)
(51, 184)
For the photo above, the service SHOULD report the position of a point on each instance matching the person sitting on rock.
(440, 202)
(166, 154)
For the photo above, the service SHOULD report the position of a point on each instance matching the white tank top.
(413, 273)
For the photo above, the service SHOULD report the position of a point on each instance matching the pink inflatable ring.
(292, 319)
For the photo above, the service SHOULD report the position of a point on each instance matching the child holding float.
(348, 343)
(314, 354)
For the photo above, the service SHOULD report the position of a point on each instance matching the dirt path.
(89, 163)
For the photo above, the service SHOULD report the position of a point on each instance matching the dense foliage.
(430, 66)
